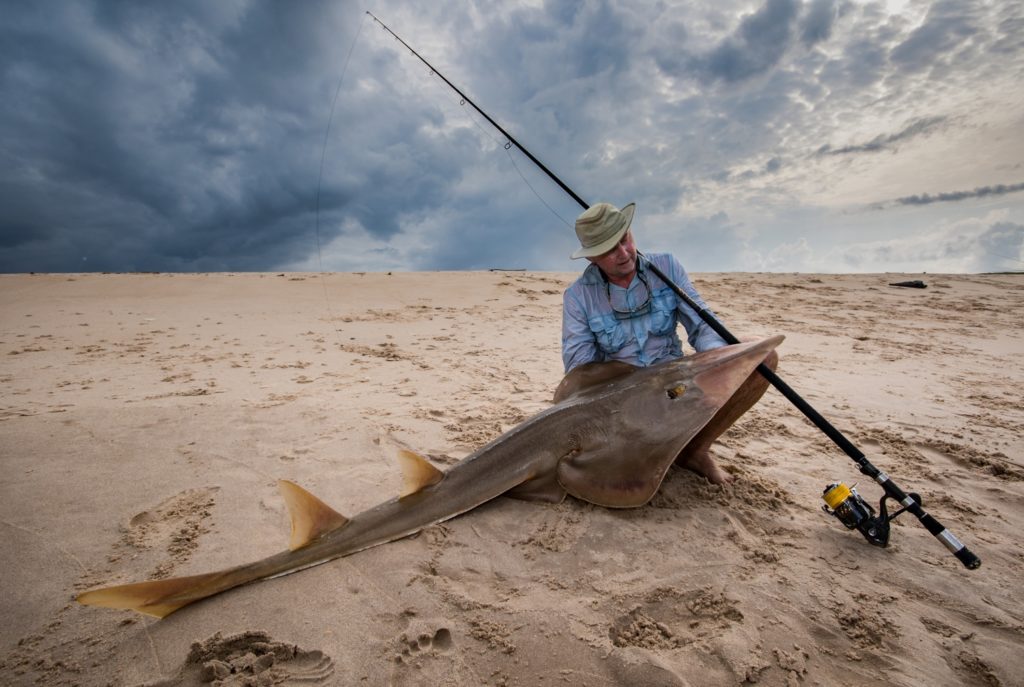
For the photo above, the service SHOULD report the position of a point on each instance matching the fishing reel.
(855, 513)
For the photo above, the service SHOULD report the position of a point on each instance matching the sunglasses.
(630, 312)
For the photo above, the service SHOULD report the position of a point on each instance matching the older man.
(619, 309)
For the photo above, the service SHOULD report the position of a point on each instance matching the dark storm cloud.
(553, 77)
(882, 142)
(948, 28)
(816, 24)
(954, 196)
(158, 136)
(757, 45)
(147, 135)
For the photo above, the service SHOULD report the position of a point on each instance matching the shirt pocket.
(610, 334)
(663, 312)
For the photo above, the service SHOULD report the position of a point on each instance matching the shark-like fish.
(609, 439)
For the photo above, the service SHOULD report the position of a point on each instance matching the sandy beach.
(146, 418)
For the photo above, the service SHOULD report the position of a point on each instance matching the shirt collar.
(592, 274)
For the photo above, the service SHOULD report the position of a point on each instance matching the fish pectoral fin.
(614, 477)
(542, 488)
(310, 516)
(417, 473)
(158, 598)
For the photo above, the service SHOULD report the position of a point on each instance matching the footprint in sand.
(639, 629)
(866, 627)
(554, 529)
(250, 658)
(175, 525)
(973, 669)
(670, 618)
(419, 641)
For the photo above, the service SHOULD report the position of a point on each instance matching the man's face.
(620, 261)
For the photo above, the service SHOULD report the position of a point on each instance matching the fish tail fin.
(159, 598)
(310, 517)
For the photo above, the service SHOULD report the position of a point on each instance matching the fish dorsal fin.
(417, 473)
(589, 376)
(311, 517)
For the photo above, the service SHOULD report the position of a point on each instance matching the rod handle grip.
(970, 561)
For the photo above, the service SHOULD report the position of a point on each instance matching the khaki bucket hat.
(600, 227)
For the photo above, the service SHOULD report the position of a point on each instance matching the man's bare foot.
(703, 464)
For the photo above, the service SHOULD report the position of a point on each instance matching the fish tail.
(160, 598)
(311, 518)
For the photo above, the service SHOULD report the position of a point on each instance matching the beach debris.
(913, 284)
(609, 439)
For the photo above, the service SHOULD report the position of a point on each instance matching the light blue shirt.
(592, 330)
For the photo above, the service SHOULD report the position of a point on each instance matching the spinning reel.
(855, 513)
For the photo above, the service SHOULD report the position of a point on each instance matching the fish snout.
(720, 372)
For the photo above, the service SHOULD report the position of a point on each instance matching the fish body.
(609, 439)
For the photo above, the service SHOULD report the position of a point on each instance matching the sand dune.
(145, 419)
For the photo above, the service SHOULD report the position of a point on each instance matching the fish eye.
(676, 391)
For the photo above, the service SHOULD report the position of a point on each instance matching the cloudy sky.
(756, 135)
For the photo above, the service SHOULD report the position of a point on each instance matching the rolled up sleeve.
(698, 332)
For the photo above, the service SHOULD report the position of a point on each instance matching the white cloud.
(984, 244)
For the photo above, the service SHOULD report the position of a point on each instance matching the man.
(619, 310)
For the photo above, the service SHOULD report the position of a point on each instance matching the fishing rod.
(841, 501)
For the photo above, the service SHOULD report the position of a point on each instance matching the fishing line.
(553, 212)
(1005, 257)
(508, 151)
(320, 176)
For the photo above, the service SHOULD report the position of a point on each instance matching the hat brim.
(610, 243)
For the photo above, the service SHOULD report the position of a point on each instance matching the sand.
(145, 419)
